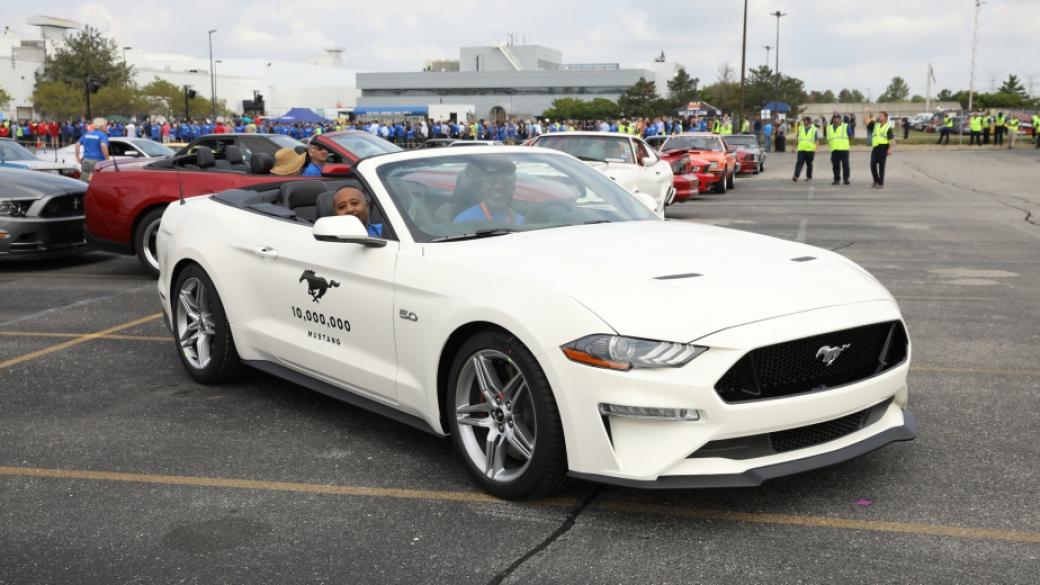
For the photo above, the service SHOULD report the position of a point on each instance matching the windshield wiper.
(592, 221)
(590, 159)
(486, 233)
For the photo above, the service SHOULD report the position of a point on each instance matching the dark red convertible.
(125, 201)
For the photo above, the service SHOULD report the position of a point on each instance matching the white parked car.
(539, 314)
(629, 160)
(16, 156)
(119, 147)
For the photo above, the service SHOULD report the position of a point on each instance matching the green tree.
(578, 109)
(917, 99)
(57, 99)
(682, 89)
(118, 99)
(764, 87)
(641, 100)
(897, 91)
(86, 53)
(851, 96)
(5, 98)
(1013, 86)
(946, 96)
(822, 97)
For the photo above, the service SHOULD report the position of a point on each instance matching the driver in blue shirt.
(496, 181)
(351, 201)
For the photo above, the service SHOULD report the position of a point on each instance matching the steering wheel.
(544, 208)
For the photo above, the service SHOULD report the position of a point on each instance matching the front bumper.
(35, 238)
(660, 453)
(707, 180)
(686, 187)
(747, 166)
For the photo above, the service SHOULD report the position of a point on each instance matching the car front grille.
(796, 367)
(69, 205)
(800, 438)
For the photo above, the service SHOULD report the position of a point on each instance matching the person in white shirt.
(131, 130)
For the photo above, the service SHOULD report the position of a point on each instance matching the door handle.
(267, 253)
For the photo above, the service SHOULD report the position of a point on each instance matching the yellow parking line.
(76, 341)
(66, 335)
(477, 497)
(72, 275)
(994, 371)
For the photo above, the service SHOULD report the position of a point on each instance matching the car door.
(327, 308)
(653, 178)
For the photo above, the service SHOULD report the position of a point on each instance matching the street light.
(743, 65)
(125, 49)
(776, 70)
(767, 55)
(212, 77)
(215, 86)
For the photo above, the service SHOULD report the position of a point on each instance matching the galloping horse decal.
(316, 285)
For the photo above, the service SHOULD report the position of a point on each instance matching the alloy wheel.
(195, 329)
(148, 239)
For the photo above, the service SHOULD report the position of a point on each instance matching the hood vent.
(678, 276)
(803, 259)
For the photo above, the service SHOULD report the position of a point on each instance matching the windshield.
(284, 141)
(10, 150)
(693, 143)
(153, 148)
(461, 195)
(364, 145)
(742, 140)
(601, 148)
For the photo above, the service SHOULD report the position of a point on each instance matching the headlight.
(624, 353)
(15, 207)
(714, 165)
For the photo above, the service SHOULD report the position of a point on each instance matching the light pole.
(212, 77)
(215, 63)
(743, 65)
(776, 70)
(767, 55)
(125, 49)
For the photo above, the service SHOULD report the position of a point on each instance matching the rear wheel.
(503, 419)
(203, 335)
(144, 241)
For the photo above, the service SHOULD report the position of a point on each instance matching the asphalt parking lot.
(116, 467)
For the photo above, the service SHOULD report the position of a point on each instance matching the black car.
(41, 215)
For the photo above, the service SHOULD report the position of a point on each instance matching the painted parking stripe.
(77, 340)
(938, 530)
(68, 335)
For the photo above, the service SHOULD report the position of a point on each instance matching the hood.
(673, 281)
(39, 165)
(25, 184)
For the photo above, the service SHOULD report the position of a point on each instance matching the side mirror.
(337, 170)
(346, 229)
(132, 153)
(647, 161)
(646, 200)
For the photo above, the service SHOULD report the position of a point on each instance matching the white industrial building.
(322, 85)
(503, 81)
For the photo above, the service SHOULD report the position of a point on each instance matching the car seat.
(466, 195)
(324, 203)
(233, 156)
(204, 158)
(302, 197)
(261, 163)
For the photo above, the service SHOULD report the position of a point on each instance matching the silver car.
(41, 215)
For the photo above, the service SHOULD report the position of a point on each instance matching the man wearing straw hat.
(288, 162)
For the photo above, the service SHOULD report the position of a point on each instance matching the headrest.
(261, 163)
(301, 193)
(233, 154)
(324, 206)
(204, 157)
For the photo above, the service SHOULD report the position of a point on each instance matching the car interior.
(301, 201)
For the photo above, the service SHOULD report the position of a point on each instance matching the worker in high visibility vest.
(882, 140)
(1000, 129)
(975, 129)
(716, 127)
(726, 128)
(807, 139)
(945, 129)
(838, 139)
(1012, 130)
(1036, 130)
(745, 126)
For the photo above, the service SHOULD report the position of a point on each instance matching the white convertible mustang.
(528, 306)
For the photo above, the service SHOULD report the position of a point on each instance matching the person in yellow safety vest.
(882, 141)
(745, 126)
(1000, 129)
(807, 139)
(838, 139)
(716, 127)
(945, 129)
(1036, 129)
(726, 128)
(975, 129)
(1012, 130)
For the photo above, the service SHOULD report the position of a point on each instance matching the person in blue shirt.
(317, 157)
(92, 148)
(496, 180)
(351, 201)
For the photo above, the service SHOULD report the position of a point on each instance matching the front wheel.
(144, 241)
(203, 334)
(504, 423)
(730, 180)
(720, 186)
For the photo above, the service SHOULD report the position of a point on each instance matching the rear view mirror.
(346, 229)
(337, 170)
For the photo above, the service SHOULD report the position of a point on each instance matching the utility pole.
(767, 55)
(974, 47)
(212, 77)
(743, 66)
(776, 70)
(928, 92)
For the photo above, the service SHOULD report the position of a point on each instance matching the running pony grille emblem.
(829, 354)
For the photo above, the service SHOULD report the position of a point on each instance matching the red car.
(125, 201)
(716, 162)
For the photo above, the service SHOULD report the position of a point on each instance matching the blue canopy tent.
(777, 107)
(299, 116)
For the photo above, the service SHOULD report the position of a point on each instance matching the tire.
(211, 359)
(519, 416)
(720, 187)
(731, 180)
(144, 241)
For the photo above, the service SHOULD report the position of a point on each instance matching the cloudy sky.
(829, 43)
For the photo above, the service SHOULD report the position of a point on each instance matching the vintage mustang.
(541, 333)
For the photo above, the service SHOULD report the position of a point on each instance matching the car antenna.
(180, 185)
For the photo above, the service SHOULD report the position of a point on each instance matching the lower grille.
(789, 440)
(799, 366)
